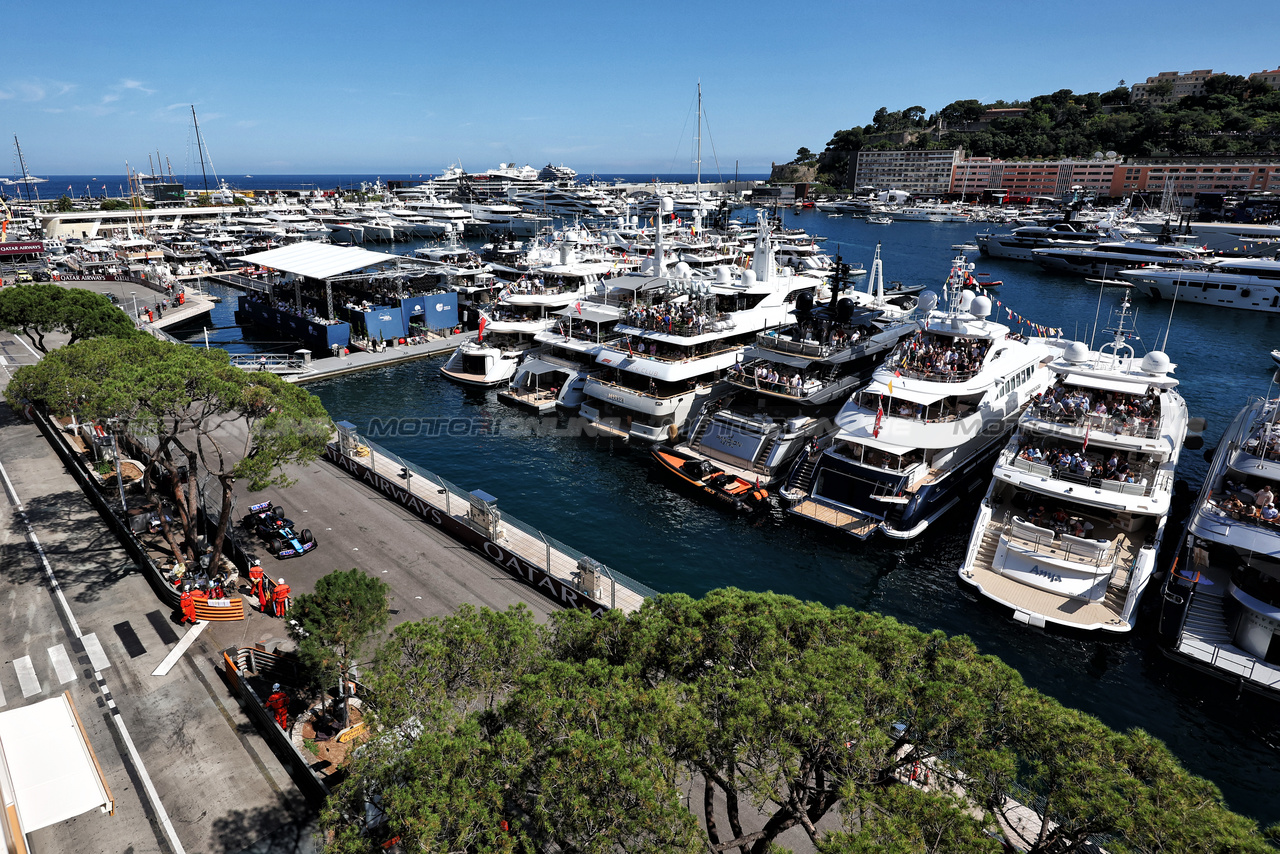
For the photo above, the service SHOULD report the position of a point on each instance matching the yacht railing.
(638, 353)
(943, 376)
(1142, 428)
(810, 348)
(652, 394)
(1051, 544)
(1145, 482)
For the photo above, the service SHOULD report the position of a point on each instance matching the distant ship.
(556, 173)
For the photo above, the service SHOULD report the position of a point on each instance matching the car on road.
(269, 523)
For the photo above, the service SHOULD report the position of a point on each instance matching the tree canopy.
(200, 415)
(721, 723)
(1234, 117)
(334, 624)
(38, 309)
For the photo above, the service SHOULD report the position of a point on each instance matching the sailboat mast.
(200, 148)
(22, 164)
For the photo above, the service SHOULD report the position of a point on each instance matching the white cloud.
(35, 89)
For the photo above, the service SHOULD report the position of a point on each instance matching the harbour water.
(607, 500)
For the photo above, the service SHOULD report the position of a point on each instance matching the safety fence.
(561, 572)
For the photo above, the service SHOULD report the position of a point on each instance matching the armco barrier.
(75, 464)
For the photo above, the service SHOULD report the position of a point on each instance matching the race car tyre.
(305, 536)
(272, 547)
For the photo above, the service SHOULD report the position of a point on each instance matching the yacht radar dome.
(748, 278)
(722, 275)
(1076, 353)
(1156, 363)
(980, 307)
(928, 302)
(966, 300)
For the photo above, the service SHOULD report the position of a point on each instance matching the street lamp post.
(134, 294)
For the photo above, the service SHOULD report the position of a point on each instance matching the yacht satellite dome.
(647, 266)
(1076, 352)
(980, 307)
(722, 275)
(748, 278)
(668, 204)
(928, 302)
(966, 299)
(683, 271)
(1156, 363)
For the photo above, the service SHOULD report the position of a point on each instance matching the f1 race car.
(269, 523)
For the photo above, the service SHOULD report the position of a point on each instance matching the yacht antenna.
(1096, 313)
(200, 148)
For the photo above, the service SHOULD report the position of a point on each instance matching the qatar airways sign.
(21, 248)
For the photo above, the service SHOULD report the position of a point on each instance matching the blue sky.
(411, 87)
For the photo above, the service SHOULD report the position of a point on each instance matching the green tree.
(40, 309)
(64, 204)
(194, 409)
(779, 713)
(804, 156)
(1117, 97)
(334, 624)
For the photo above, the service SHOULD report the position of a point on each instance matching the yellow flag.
(890, 386)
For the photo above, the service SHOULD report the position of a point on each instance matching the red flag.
(875, 433)
(579, 307)
(484, 321)
(630, 352)
(1085, 447)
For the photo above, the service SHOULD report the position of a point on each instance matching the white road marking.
(93, 648)
(24, 343)
(3, 360)
(2, 699)
(174, 654)
(157, 806)
(62, 664)
(27, 676)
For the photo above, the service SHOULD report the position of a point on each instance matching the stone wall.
(793, 173)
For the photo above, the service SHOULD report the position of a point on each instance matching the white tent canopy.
(319, 260)
(47, 769)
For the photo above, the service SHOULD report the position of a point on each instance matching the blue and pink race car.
(268, 522)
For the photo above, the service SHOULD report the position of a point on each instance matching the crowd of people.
(765, 375)
(1116, 412)
(669, 317)
(1075, 461)
(1059, 521)
(934, 356)
(834, 335)
(1243, 504)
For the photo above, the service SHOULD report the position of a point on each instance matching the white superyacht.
(921, 436)
(1069, 531)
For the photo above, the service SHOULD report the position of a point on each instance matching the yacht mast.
(200, 148)
(697, 183)
(22, 164)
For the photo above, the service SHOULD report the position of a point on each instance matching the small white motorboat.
(1275, 357)
(965, 247)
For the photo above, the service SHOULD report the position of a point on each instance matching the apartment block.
(919, 172)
